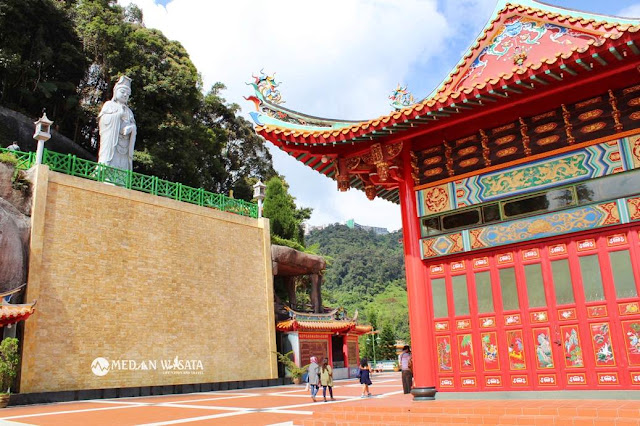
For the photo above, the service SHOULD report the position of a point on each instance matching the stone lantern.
(42, 134)
(259, 190)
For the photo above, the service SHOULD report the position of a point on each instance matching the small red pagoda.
(327, 335)
(519, 185)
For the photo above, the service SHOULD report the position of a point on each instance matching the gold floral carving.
(468, 150)
(394, 149)
(467, 139)
(430, 150)
(545, 127)
(635, 116)
(484, 140)
(568, 127)
(469, 162)
(436, 199)
(548, 140)
(616, 112)
(382, 167)
(525, 138)
(593, 127)
(589, 102)
(634, 102)
(590, 115)
(352, 162)
(505, 139)
(374, 155)
(432, 160)
(507, 151)
(433, 172)
(543, 116)
(415, 171)
(370, 191)
(631, 89)
(503, 128)
(447, 154)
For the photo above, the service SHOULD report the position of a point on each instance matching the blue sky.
(336, 59)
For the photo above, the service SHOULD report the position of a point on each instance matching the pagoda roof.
(526, 47)
(333, 321)
(11, 314)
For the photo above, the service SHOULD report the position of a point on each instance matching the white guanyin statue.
(117, 128)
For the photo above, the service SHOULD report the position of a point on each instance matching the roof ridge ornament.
(401, 97)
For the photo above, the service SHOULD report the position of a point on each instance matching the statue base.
(424, 394)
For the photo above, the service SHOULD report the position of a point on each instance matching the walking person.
(314, 377)
(365, 377)
(326, 379)
(406, 364)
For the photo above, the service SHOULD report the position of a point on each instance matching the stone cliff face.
(15, 227)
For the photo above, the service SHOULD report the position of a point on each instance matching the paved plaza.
(291, 405)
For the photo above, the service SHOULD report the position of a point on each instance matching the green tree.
(387, 343)
(41, 61)
(280, 208)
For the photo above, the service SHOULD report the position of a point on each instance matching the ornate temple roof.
(526, 47)
(11, 314)
(334, 321)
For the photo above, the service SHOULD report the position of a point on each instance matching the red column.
(420, 314)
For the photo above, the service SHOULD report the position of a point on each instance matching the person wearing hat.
(117, 128)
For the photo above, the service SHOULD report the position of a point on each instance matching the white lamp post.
(259, 193)
(42, 134)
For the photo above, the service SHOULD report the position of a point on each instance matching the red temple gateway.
(330, 335)
(519, 186)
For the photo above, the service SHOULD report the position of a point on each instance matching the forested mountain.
(365, 272)
(66, 55)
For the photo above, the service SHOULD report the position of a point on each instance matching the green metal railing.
(74, 166)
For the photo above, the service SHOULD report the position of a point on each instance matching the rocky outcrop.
(18, 127)
(15, 227)
(290, 262)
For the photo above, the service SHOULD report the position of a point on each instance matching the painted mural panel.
(586, 163)
(490, 355)
(442, 245)
(544, 353)
(631, 330)
(436, 199)
(465, 352)
(572, 347)
(602, 346)
(521, 41)
(443, 344)
(547, 225)
(517, 358)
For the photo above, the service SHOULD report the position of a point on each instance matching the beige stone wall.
(125, 275)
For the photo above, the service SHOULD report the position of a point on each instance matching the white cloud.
(336, 59)
(632, 11)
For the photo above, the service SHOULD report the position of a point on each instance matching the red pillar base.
(424, 394)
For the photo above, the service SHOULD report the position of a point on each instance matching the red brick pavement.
(291, 405)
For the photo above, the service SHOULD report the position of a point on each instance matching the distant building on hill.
(353, 225)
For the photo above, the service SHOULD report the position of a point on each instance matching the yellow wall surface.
(133, 278)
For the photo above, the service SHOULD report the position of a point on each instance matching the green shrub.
(288, 243)
(8, 158)
(9, 360)
(295, 371)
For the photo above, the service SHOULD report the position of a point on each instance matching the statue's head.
(122, 89)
